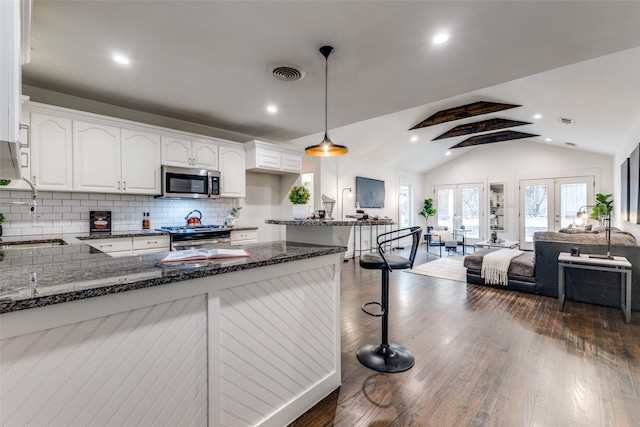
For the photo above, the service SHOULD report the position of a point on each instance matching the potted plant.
(233, 213)
(299, 196)
(427, 210)
(602, 208)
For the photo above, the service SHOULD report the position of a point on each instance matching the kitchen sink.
(32, 244)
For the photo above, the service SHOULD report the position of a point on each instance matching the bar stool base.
(385, 358)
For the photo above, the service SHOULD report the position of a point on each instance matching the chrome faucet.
(34, 193)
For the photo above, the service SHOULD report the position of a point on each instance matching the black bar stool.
(385, 357)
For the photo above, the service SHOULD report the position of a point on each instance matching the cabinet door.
(96, 158)
(268, 159)
(51, 152)
(292, 163)
(232, 172)
(205, 155)
(140, 162)
(176, 152)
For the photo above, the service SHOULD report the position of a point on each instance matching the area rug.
(448, 267)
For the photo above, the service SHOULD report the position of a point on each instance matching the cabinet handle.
(105, 246)
(118, 185)
(34, 180)
(25, 156)
(152, 243)
(28, 144)
(124, 185)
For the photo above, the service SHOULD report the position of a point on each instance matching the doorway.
(551, 204)
(461, 207)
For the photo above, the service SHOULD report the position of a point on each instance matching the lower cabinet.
(244, 237)
(128, 246)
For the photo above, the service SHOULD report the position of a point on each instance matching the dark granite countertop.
(78, 271)
(330, 223)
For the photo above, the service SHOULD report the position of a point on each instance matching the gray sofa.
(582, 285)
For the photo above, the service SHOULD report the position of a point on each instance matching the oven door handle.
(196, 244)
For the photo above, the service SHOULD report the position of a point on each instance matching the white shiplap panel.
(104, 371)
(279, 333)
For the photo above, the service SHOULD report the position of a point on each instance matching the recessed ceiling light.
(272, 109)
(440, 38)
(537, 116)
(448, 153)
(548, 139)
(121, 59)
(414, 138)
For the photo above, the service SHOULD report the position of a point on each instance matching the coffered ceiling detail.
(505, 135)
(483, 126)
(463, 112)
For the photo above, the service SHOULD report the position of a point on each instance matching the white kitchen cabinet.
(232, 171)
(189, 153)
(51, 152)
(108, 159)
(96, 158)
(10, 87)
(127, 246)
(140, 162)
(115, 247)
(241, 237)
(25, 155)
(265, 157)
(151, 244)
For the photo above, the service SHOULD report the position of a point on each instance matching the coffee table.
(505, 244)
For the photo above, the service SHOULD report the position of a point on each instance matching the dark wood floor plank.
(484, 357)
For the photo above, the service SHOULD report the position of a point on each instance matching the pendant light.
(326, 148)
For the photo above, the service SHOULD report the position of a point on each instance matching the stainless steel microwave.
(190, 183)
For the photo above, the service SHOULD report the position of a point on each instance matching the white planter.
(300, 211)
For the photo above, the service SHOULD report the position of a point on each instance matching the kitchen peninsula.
(132, 341)
(327, 232)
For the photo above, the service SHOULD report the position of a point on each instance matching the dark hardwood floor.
(484, 357)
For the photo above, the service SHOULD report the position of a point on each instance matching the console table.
(616, 265)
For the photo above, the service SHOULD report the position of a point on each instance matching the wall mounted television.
(369, 192)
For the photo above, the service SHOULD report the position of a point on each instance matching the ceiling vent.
(287, 73)
(566, 121)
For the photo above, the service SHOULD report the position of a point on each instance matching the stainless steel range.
(198, 237)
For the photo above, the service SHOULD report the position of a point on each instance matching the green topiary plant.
(1, 219)
(427, 209)
(299, 195)
(602, 208)
(4, 182)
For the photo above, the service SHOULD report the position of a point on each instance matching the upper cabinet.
(10, 87)
(51, 152)
(96, 158)
(270, 158)
(77, 151)
(189, 153)
(110, 159)
(140, 162)
(232, 173)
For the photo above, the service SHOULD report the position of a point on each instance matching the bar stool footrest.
(385, 357)
(370, 313)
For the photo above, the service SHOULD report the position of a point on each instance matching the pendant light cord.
(326, 95)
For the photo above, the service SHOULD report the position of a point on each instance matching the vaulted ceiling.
(210, 62)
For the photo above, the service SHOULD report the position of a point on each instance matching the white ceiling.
(209, 62)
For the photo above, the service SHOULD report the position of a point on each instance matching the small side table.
(617, 265)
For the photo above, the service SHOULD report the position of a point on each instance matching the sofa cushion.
(522, 265)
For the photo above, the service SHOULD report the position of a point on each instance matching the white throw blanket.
(495, 266)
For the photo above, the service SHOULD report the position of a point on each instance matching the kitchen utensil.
(194, 220)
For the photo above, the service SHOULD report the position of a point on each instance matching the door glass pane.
(536, 209)
(470, 212)
(445, 212)
(404, 203)
(572, 198)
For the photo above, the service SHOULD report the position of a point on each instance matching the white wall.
(510, 162)
(632, 141)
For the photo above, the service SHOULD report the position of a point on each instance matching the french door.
(551, 204)
(461, 206)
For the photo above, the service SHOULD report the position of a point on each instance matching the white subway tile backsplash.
(69, 212)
